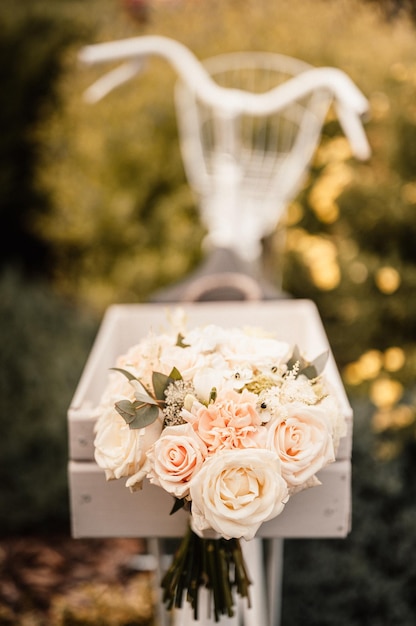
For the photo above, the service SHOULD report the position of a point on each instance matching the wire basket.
(246, 168)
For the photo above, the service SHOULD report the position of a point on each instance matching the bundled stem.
(216, 564)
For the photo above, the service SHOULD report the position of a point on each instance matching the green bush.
(33, 39)
(45, 343)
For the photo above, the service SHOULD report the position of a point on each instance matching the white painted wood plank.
(108, 509)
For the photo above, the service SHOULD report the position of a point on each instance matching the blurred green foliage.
(44, 345)
(32, 38)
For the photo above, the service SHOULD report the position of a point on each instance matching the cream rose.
(144, 358)
(262, 352)
(120, 450)
(174, 458)
(303, 441)
(236, 491)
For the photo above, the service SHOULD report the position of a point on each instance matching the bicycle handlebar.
(350, 103)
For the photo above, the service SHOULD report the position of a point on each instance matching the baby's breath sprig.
(174, 400)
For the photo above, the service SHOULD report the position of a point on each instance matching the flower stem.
(217, 564)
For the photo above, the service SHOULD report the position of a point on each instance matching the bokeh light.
(319, 255)
(385, 392)
(387, 280)
(401, 416)
(394, 359)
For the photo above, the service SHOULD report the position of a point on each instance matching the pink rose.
(302, 440)
(174, 458)
(232, 421)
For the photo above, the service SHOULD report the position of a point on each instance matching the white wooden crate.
(108, 509)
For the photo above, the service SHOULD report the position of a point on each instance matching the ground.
(44, 579)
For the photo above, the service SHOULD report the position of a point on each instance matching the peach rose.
(236, 491)
(302, 439)
(174, 458)
(232, 421)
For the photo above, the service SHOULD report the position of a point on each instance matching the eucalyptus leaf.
(145, 415)
(127, 374)
(160, 384)
(321, 361)
(309, 371)
(295, 358)
(126, 409)
(314, 369)
(143, 397)
(138, 386)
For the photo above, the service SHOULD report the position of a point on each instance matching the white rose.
(186, 360)
(236, 491)
(334, 417)
(144, 358)
(302, 438)
(207, 338)
(261, 352)
(120, 450)
(174, 458)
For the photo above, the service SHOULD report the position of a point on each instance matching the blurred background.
(96, 209)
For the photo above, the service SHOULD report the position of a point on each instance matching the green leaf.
(177, 505)
(145, 414)
(321, 361)
(212, 395)
(144, 397)
(125, 372)
(179, 341)
(160, 384)
(309, 371)
(133, 380)
(175, 374)
(126, 409)
(295, 358)
(313, 369)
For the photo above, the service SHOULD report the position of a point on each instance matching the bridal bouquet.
(230, 422)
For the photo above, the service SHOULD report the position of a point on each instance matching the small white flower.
(205, 380)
